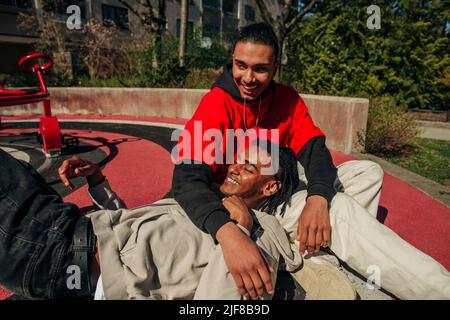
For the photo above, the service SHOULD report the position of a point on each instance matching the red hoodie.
(282, 108)
(223, 108)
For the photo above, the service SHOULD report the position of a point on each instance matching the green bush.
(85, 81)
(202, 78)
(18, 80)
(389, 129)
(203, 58)
(25, 79)
(169, 74)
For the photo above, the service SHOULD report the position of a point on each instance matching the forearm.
(319, 168)
(101, 193)
(192, 190)
(228, 229)
(105, 198)
(95, 178)
(242, 218)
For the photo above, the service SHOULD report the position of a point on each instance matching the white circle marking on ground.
(19, 155)
(25, 157)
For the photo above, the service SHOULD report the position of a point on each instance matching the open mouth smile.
(232, 181)
(250, 89)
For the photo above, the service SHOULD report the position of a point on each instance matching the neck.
(253, 203)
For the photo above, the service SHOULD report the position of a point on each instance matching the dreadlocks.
(288, 176)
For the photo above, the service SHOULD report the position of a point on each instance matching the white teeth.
(231, 180)
(249, 88)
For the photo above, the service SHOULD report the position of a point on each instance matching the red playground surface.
(141, 172)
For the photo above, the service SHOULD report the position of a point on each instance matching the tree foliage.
(153, 18)
(333, 52)
(289, 15)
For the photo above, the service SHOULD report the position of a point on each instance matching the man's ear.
(271, 188)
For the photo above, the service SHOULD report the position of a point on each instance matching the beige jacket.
(156, 252)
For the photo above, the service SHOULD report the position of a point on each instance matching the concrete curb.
(434, 130)
(431, 188)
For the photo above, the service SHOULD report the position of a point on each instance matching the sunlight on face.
(267, 163)
(253, 68)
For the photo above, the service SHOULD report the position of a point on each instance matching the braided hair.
(288, 176)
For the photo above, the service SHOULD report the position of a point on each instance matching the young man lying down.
(49, 250)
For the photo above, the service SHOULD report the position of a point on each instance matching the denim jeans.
(36, 234)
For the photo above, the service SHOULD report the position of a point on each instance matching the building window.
(23, 4)
(60, 7)
(212, 3)
(190, 28)
(117, 15)
(249, 13)
(228, 6)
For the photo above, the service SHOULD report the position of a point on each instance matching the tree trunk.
(156, 52)
(281, 40)
(183, 30)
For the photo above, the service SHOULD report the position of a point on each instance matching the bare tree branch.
(286, 11)
(300, 15)
(291, 13)
(154, 18)
(267, 17)
(151, 14)
(149, 17)
(162, 13)
(149, 4)
(142, 17)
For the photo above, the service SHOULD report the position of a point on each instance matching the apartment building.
(214, 19)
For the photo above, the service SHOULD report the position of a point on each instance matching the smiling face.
(244, 178)
(253, 68)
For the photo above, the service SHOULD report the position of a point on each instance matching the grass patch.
(427, 157)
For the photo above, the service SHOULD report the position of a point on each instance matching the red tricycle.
(49, 131)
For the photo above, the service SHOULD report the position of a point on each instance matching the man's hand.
(77, 167)
(314, 228)
(245, 262)
(238, 211)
